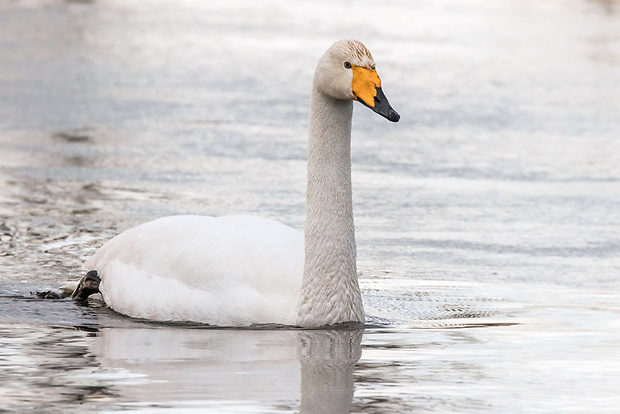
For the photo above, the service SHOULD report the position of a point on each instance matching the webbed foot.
(48, 294)
(88, 285)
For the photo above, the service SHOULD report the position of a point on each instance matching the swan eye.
(347, 65)
(373, 67)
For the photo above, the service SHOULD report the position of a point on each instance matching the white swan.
(240, 270)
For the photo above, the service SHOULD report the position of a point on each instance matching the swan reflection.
(175, 365)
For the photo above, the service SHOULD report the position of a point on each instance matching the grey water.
(487, 219)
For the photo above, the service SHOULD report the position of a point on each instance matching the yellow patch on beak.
(365, 84)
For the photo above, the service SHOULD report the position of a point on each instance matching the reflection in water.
(44, 368)
(328, 358)
(113, 362)
(181, 365)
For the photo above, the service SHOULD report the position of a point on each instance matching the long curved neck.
(330, 291)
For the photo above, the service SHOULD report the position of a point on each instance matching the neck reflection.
(243, 368)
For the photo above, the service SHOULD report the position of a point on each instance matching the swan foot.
(88, 285)
(48, 294)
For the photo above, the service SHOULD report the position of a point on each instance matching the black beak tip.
(382, 107)
(393, 116)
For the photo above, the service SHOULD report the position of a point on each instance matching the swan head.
(347, 71)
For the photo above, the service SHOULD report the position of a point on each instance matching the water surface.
(487, 219)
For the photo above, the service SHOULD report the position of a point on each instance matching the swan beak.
(382, 107)
(367, 89)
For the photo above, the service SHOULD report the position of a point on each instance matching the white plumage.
(228, 271)
(241, 270)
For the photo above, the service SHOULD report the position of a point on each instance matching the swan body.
(241, 270)
(151, 261)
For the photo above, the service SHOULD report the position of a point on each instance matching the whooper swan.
(242, 270)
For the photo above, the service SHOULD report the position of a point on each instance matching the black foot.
(88, 285)
(48, 294)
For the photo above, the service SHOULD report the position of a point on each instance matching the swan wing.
(226, 271)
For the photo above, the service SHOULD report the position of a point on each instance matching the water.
(488, 219)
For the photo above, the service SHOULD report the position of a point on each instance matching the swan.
(244, 270)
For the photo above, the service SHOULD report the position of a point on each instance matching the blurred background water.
(488, 219)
